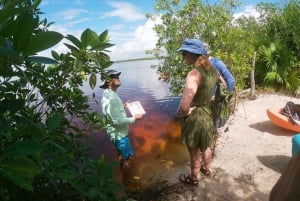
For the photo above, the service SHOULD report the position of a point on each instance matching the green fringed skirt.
(197, 129)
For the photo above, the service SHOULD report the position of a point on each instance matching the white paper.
(135, 107)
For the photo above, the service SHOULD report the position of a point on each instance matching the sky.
(128, 28)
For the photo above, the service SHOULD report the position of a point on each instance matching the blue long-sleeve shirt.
(115, 115)
(224, 72)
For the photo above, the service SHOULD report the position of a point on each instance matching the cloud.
(118, 27)
(128, 44)
(131, 40)
(79, 21)
(125, 11)
(247, 11)
(71, 14)
(134, 44)
(78, 2)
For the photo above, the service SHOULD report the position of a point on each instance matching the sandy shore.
(249, 159)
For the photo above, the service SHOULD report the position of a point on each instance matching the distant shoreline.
(139, 59)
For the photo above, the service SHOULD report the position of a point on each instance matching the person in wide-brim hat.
(195, 108)
(193, 46)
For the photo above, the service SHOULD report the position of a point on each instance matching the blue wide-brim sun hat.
(194, 46)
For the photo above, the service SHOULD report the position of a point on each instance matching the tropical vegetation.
(43, 154)
(271, 40)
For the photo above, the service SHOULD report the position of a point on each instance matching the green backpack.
(221, 103)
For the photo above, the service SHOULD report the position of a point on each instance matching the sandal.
(187, 179)
(204, 171)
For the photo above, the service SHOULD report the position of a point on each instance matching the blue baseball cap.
(194, 46)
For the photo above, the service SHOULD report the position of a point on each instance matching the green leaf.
(19, 180)
(23, 148)
(88, 38)
(55, 55)
(65, 174)
(54, 121)
(58, 146)
(78, 63)
(71, 47)
(20, 171)
(42, 41)
(23, 31)
(93, 81)
(103, 37)
(60, 162)
(105, 63)
(8, 52)
(102, 57)
(36, 3)
(74, 40)
(5, 14)
(7, 28)
(40, 59)
(101, 46)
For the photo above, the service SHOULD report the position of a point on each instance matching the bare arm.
(191, 85)
(223, 82)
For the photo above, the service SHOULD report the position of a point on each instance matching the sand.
(249, 158)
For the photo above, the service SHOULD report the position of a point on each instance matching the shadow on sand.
(277, 163)
(221, 186)
(269, 127)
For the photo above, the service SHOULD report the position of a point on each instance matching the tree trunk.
(252, 90)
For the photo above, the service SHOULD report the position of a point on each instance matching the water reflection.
(156, 138)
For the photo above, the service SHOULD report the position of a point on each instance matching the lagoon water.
(156, 137)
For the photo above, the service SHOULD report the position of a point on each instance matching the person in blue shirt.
(222, 69)
(115, 119)
(227, 82)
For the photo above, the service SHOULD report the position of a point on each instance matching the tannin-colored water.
(156, 137)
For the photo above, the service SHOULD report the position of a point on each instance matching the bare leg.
(195, 156)
(126, 170)
(207, 158)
